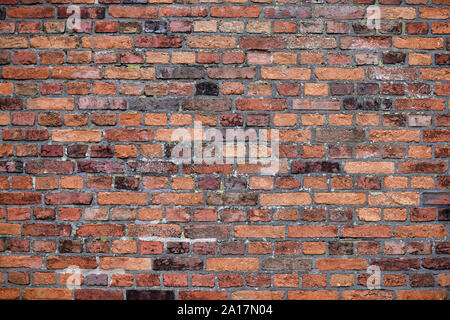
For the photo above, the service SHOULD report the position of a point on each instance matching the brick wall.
(87, 174)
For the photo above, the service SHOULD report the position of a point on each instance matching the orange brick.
(232, 264)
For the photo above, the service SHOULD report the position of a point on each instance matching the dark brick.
(419, 248)
(375, 104)
(96, 280)
(393, 57)
(341, 89)
(5, 58)
(287, 12)
(232, 247)
(316, 215)
(235, 183)
(127, 183)
(153, 167)
(18, 245)
(21, 198)
(150, 295)
(393, 88)
(11, 166)
(385, 28)
(25, 134)
(49, 167)
(178, 247)
(44, 213)
(436, 263)
(416, 28)
(314, 167)
(154, 104)
(393, 152)
(101, 152)
(442, 247)
(286, 264)
(130, 27)
(258, 120)
(231, 120)
(340, 152)
(340, 215)
(369, 104)
(179, 72)
(396, 264)
(421, 280)
(340, 248)
(101, 166)
(203, 104)
(85, 12)
(444, 214)
(51, 119)
(68, 198)
(340, 135)
(367, 88)
(207, 89)
(442, 59)
(421, 167)
(154, 230)
(46, 230)
(349, 103)
(205, 248)
(70, 246)
(135, 1)
(158, 42)
(52, 151)
(11, 104)
(209, 183)
(394, 120)
(258, 280)
(207, 231)
(77, 151)
(369, 183)
(232, 199)
(177, 264)
(102, 103)
(419, 88)
(155, 26)
(436, 198)
(98, 294)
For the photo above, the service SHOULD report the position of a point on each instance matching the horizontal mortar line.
(171, 239)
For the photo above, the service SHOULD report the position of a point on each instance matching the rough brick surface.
(87, 179)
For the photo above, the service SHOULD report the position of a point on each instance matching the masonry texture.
(87, 178)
